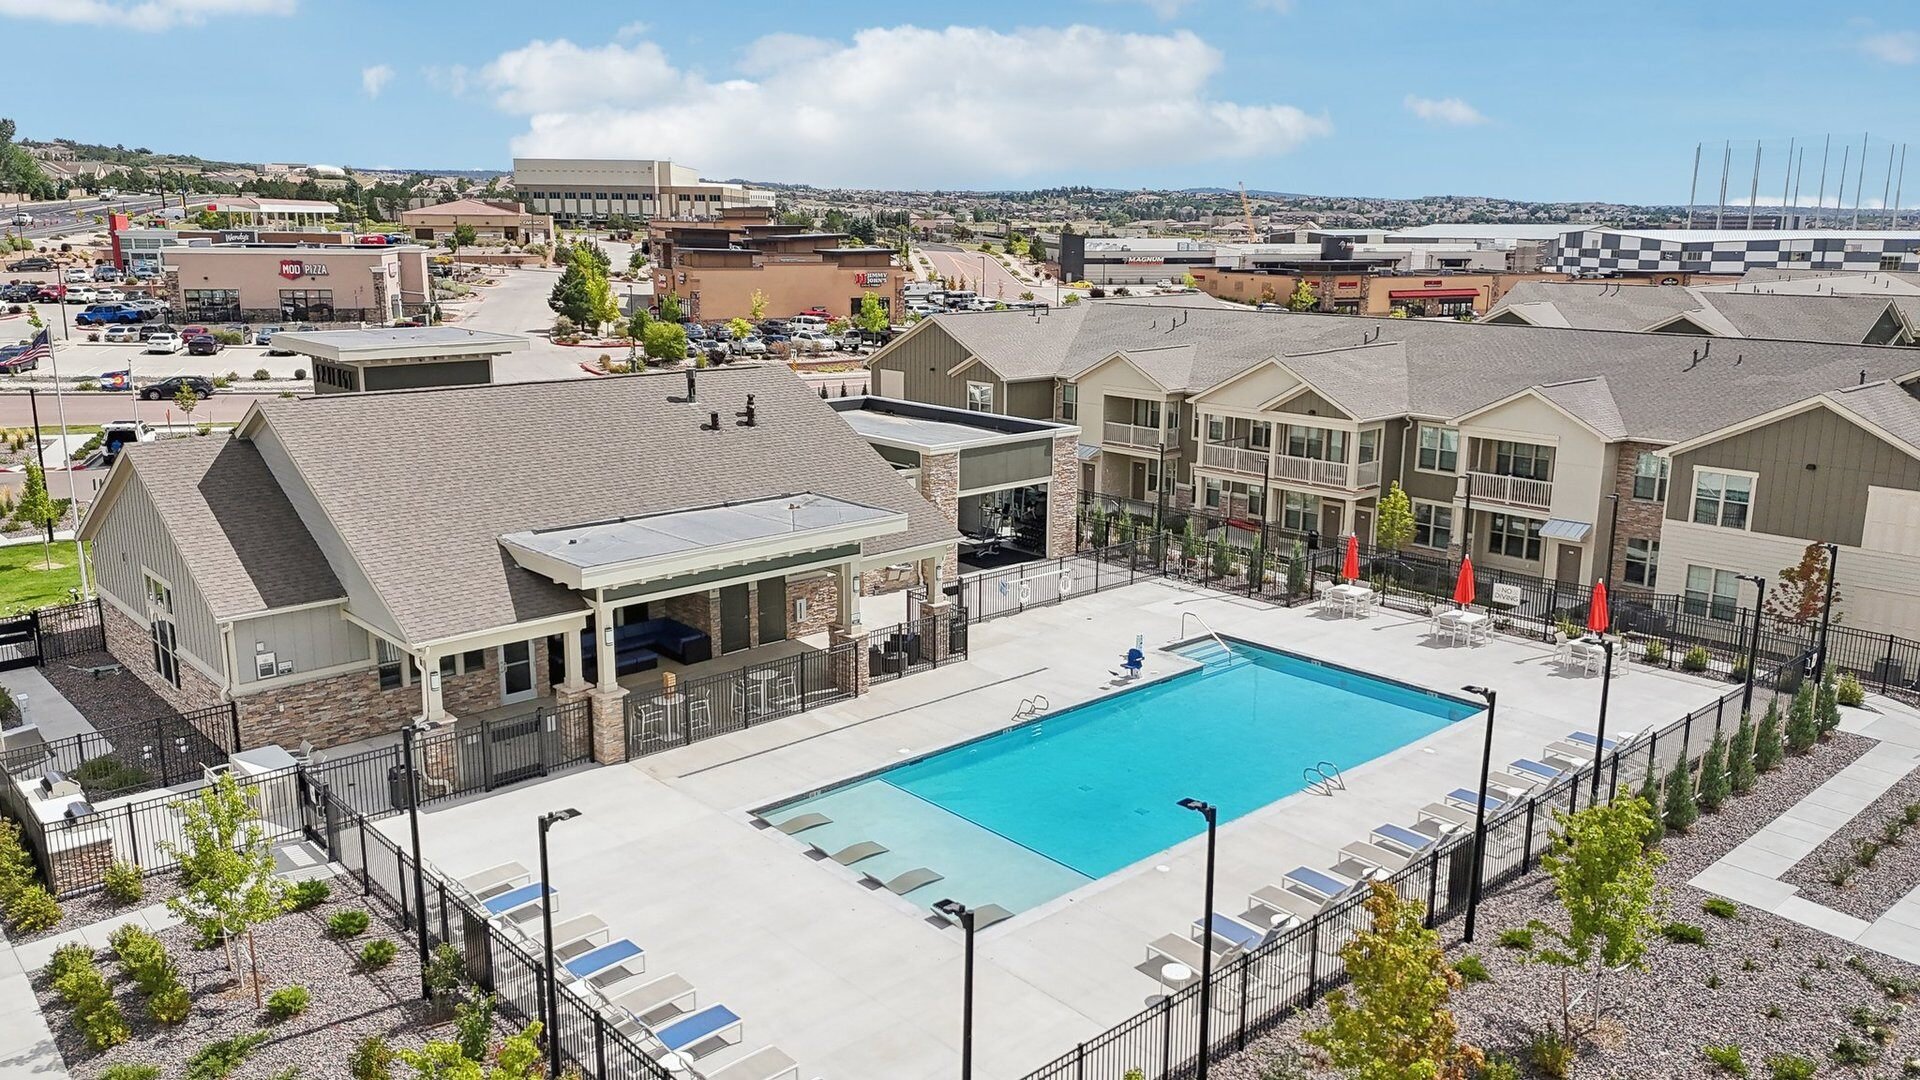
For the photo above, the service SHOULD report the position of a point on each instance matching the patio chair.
(1480, 632)
(1230, 932)
(1177, 949)
(1464, 797)
(1511, 783)
(634, 1005)
(1384, 859)
(1318, 883)
(1544, 772)
(1282, 901)
(1358, 869)
(1449, 814)
(578, 935)
(786, 692)
(494, 880)
(608, 964)
(902, 884)
(1589, 738)
(852, 853)
(1434, 829)
(699, 717)
(766, 1063)
(1399, 837)
(690, 1034)
(307, 755)
(517, 904)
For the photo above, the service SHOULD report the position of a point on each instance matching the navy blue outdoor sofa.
(638, 646)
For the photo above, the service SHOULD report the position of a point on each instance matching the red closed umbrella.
(1463, 588)
(1597, 616)
(1351, 568)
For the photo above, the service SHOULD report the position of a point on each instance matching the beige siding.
(131, 541)
(1308, 403)
(1876, 587)
(923, 358)
(1248, 393)
(1032, 399)
(311, 639)
(988, 467)
(1827, 503)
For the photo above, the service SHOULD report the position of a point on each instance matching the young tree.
(461, 236)
(670, 308)
(186, 400)
(872, 317)
(1649, 795)
(37, 510)
(1392, 1021)
(1602, 869)
(1302, 298)
(1715, 785)
(1826, 708)
(1802, 732)
(635, 261)
(1767, 749)
(1740, 766)
(572, 297)
(664, 341)
(1801, 594)
(739, 327)
(226, 870)
(1681, 810)
(1393, 524)
(756, 305)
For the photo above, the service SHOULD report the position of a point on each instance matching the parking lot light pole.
(1479, 815)
(1826, 610)
(547, 821)
(419, 877)
(1753, 645)
(1212, 814)
(959, 912)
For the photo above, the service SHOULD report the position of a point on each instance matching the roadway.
(51, 219)
(978, 266)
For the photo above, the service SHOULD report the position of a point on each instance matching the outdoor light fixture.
(433, 681)
(960, 913)
(1753, 645)
(606, 636)
(1480, 813)
(1212, 814)
(547, 821)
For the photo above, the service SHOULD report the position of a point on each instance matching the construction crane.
(1246, 208)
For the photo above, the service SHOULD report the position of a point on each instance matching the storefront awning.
(1562, 529)
(1432, 294)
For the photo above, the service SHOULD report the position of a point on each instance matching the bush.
(1552, 1054)
(1655, 653)
(229, 337)
(349, 923)
(446, 968)
(131, 1070)
(1848, 691)
(95, 1012)
(1802, 731)
(378, 953)
(1681, 811)
(105, 775)
(1727, 1056)
(1865, 852)
(1471, 969)
(473, 1026)
(1715, 786)
(288, 1002)
(1681, 933)
(1848, 1050)
(145, 958)
(125, 884)
(1768, 750)
(1838, 874)
(372, 1059)
(1696, 660)
(1720, 907)
(32, 910)
(1740, 767)
(261, 375)
(299, 373)
(1515, 937)
(310, 893)
(219, 1060)
(67, 958)
(1826, 708)
(1499, 1068)
(169, 1005)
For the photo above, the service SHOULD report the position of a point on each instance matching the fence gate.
(19, 642)
(317, 818)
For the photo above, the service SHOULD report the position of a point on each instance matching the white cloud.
(1444, 111)
(1278, 7)
(453, 78)
(145, 15)
(631, 31)
(1009, 105)
(1894, 46)
(375, 79)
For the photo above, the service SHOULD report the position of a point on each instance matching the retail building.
(491, 222)
(582, 191)
(273, 283)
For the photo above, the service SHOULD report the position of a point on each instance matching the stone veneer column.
(1640, 519)
(609, 724)
(1063, 496)
(940, 484)
(940, 611)
(850, 672)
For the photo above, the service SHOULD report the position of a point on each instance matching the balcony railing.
(1512, 490)
(1368, 475)
(1120, 434)
(1302, 470)
(1233, 459)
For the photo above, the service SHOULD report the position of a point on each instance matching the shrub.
(1727, 1056)
(131, 1070)
(473, 1026)
(378, 953)
(310, 893)
(1865, 852)
(95, 1012)
(349, 923)
(1839, 874)
(1720, 907)
(1515, 937)
(125, 884)
(445, 970)
(288, 1002)
(1826, 710)
(219, 1060)
(1681, 933)
(1472, 969)
(1552, 1054)
(32, 910)
(1681, 810)
(261, 374)
(228, 337)
(1848, 1050)
(1910, 813)
(1715, 786)
(1802, 732)
(1740, 774)
(299, 373)
(105, 775)
(1650, 794)
(1696, 660)
(1848, 691)
(1737, 671)
(69, 957)
(372, 1059)
(169, 1004)
(1655, 653)
(1767, 749)
(1499, 1068)
(1893, 832)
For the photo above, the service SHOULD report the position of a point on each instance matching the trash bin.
(397, 787)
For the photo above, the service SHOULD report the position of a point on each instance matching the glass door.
(516, 672)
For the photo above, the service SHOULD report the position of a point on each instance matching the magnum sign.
(295, 268)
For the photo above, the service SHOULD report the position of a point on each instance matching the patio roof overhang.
(629, 551)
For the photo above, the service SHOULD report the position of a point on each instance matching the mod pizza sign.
(296, 268)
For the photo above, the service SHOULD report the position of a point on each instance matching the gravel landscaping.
(347, 1004)
(1893, 868)
(109, 699)
(1763, 983)
(93, 907)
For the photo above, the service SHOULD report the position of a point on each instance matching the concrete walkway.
(1750, 873)
(42, 705)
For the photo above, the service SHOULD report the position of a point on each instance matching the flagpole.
(73, 491)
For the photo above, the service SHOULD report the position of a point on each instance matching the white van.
(807, 322)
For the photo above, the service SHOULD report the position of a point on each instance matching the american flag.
(40, 349)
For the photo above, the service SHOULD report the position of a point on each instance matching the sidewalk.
(42, 705)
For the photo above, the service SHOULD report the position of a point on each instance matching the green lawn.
(25, 581)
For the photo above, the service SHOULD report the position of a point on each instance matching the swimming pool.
(1025, 815)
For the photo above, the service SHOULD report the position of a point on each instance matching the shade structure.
(1597, 616)
(1463, 587)
(1351, 568)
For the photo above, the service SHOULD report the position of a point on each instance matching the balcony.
(1512, 491)
(1300, 470)
(1233, 459)
(1118, 434)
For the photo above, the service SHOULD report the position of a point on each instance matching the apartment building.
(589, 191)
(1541, 448)
(1707, 312)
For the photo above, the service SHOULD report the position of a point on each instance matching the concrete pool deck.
(857, 984)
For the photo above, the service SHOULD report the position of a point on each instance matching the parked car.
(851, 341)
(164, 342)
(76, 274)
(264, 336)
(18, 292)
(170, 387)
(812, 341)
(102, 314)
(153, 330)
(50, 293)
(121, 333)
(374, 238)
(195, 331)
(750, 346)
(82, 294)
(23, 218)
(148, 307)
(14, 360)
(106, 273)
(30, 264)
(109, 296)
(818, 313)
(203, 345)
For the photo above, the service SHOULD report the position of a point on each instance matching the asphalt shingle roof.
(1885, 404)
(1588, 306)
(422, 484)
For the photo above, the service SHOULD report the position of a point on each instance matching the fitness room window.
(166, 657)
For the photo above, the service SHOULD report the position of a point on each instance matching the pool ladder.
(1031, 707)
(1323, 778)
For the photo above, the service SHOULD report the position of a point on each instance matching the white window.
(1069, 401)
(1213, 488)
(1523, 459)
(1216, 429)
(1298, 512)
(392, 664)
(1650, 477)
(1432, 525)
(160, 629)
(1643, 561)
(1514, 536)
(979, 397)
(1439, 449)
(1722, 498)
(1712, 593)
(1260, 437)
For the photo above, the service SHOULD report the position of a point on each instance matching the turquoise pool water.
(1036, 811)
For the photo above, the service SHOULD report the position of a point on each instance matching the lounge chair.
(1449, 814)
(1374, 855)
(802, 822)
(713, 1022)
(578, 935)
(1230, 931)
(1358, 869)
(852, 853)
(1180, 950)
(1469, 798)
(515, 903)
(1318, 882)
(983, 916)
(1284, 901)
(1588, 738)
(902, 884)
(1572, 754)
(1512, 783)
(1412, 841)
(766, 1063)
(1541, 770)
(494, 880)
(637, 1003)
(605, 965)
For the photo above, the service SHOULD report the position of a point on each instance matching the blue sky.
(1529, 100)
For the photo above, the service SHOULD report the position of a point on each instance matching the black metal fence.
(70, 629)
(694, 709)
(136, 756)
(1253, 991)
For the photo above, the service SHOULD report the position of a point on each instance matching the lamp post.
(1613, 542)
(1753, 646)
(547, 821)
(1606, 685)
(961, 913)
(1826, 610)
(419, 877)
(1480, 814)
(1212, 814)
